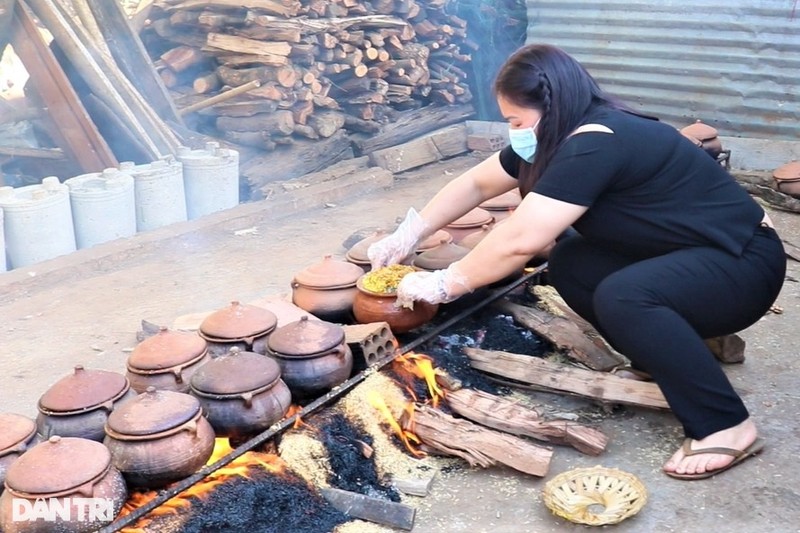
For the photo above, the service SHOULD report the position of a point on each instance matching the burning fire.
(239, 467)
(410, 367)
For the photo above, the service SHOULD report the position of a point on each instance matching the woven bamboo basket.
(595, 496)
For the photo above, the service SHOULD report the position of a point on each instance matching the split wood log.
(435, 146)
(280, 122)
(565, 335)
(326, 123)
(559, 377)
(411, 124)
(206, 83)
(548, 299)
(414, 487)
(246, 108)
(378, 510)
(287, 8)
(475, 444)
(243, 45)
(508, 416)
(285, 76)
(256, 139)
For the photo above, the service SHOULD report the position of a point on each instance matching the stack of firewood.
(319, 65)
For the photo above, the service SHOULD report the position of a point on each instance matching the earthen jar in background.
(708, 136)
(166, 361)
(159, 437)
(70, 471)
(241, 393)
(17, 435)
(471, 222)
(787, 178)
(326, 289)
(501, 206)
(244, 326)
(78, 405)
(312, 354)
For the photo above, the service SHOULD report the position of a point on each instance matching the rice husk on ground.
(307, 456)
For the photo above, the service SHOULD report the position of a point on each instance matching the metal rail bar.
(309, 409)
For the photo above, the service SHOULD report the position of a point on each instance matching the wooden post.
(384, 512)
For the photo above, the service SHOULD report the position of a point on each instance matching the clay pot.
(17, 435)
(376, 307)
(357, 254)
(440, 257)
(438, 237)
(241, 393)
(312, 355)
(327, 289)
(472, 240)
(501, 206)
(787, 178)
(166, 361)
(67, 470)
(244, 326)
(159, 437)
(470, 223)
(78, 405)
(707, 135)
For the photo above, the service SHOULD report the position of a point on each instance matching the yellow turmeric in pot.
(385, 280)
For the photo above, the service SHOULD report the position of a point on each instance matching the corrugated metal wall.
(734, 64)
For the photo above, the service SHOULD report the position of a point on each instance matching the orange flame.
(239, 467)
(420, 366)
(298, 422)
(377, 401)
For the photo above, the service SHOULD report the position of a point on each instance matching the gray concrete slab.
(85, 308)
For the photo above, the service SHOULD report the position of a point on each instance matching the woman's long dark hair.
(547, 79)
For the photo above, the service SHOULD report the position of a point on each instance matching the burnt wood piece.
(132, 58)
(475, 444)
(565, 335)
(507, 415)
(384, 512)
(73, 131)
(559, 377)
(411, 124)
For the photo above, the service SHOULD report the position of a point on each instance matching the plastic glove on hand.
(400, 244)
(434, 287)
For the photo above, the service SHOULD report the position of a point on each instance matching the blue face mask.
(523, 141)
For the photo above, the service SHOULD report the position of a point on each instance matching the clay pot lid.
(14, 430)
(472, 240)
(475, 218)
(434, 240)
(153, 411)
(167, 349)
(305, 337)
(236, 372)
(503, 202)
(695, 141)
(788, 172)
(441, 256)
(238, 321)
(358, 252)
(83, 390)
(700, 131)
(59, 465)
(329, 273)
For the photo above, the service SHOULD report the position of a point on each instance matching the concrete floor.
(86, 308)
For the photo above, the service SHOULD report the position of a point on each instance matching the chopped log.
(212, 19)
(182, 57)
(380, 511)
(269, 91)
(565, 335)
(233, 60)
(280, 122)
(256, 139)
(435, 146)
(475, 444)
(414, 487)
(305, 131)
(548, 299)
(243, 45)
(412, 124)
(206, 83)
(559, 377)
(262, 33)
(222, 97)
(301, 111)
(285, 8)
(352, 123)
(285, 76)
(509, 416)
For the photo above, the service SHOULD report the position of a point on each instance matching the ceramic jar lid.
(167, 349)
(14, 430)
(475, 218)
(238, 321)
(440, 257)
(788, 172)
(502, 202)
(83, 390)
(235, 373)
(358, 252)
(152, 412)
(434, 240)
(329, 273)
(305, 337)
(57, 466)
(700, 131)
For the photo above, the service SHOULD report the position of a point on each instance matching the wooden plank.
(565, 378)
(132, 58)
(74, 131)
(443, 143)
(6, 14)
(565, 335)
(384, 512)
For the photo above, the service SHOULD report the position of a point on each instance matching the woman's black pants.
(657, 311)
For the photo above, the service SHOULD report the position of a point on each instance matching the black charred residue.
(264, 502)
(352, 471)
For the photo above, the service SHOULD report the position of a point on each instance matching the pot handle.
(247, 397)
(108, 406)
(191, 426)
(178, 372)
(341, 351)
